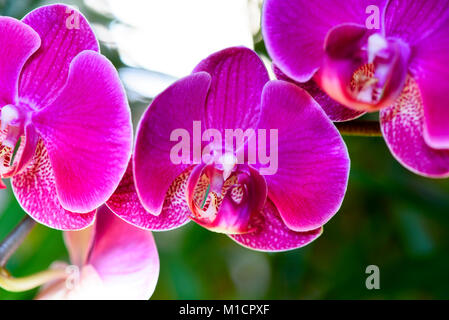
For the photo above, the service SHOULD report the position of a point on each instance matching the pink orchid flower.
(387, 55)
(260, 209)
(110, 260)
(63, 100)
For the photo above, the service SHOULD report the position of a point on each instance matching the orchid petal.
(430, 68)
(313, 163)
(35, 190)
(17, 43)
(416, 21)
(175, 108)
(238, 76)
(126, 204)
(88, 133)
(402, 127)
(124, 256)
(64, 33)
(78, 244)
(272, 234)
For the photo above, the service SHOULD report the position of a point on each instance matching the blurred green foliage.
(391, 218)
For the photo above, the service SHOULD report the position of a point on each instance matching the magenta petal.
(64, 33)
(88, 133)
(295, 31)
(273, 235)
(124, 256)
(434, 85)
(414, 21)
(430, 68)
(238, 76)
(175, 108)
(313, 163)
(402, 126)
(78, 244)
(126, 204)
(17, 43)
(334, 110)
(425, 26)
(35, 191)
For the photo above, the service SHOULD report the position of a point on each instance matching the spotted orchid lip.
(230, 201)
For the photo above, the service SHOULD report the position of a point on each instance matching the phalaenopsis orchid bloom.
(110, 260)
(387, 55)
(64, 109)
(278, 178)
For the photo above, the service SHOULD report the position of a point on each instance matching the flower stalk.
(12, 284)
(8, 247)
(361, 128)
(14, 239)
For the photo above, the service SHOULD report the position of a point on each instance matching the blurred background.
(390, 217)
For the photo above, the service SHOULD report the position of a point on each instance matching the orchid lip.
(224, 197)
(362, 69)
(15, 124)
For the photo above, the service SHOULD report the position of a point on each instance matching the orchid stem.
(15, 238)
(12, 284)
(361, 128)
